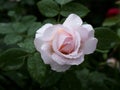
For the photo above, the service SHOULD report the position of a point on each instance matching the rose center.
(67, 46)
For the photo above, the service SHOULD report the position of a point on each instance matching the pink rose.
(64, 45)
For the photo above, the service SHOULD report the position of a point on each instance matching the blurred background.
(21, 67)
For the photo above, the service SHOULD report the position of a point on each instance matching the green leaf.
(27, 45)
(70, 82)
(12, 38)
(48, 8)
(118, 32)
(51, 78)
(19, 27)
(106, 38)
(17, 77)
(36, 68)
(76, 8)
(28, 19)
(97, 77)
(84, 74)
(49, 20)
(29, 2)
(94, 80)
(5, 28)
(11, 13)
(62, 2)
(33, 28)
(12, 59)
(111, 21)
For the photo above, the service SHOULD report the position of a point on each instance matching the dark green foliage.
(12, 59)
(74, 8)
(21, 66)
(107, 38)
(49, 8)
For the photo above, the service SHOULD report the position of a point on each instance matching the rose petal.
(62, 36)
(38, 42)
(90, 29)
(68, 46)
(90, 46)
(46, 53)
(72, 55)
(86, 31)
(59, 68)
(50, 32)
(40, 31)
(63, 61)
(73, 22)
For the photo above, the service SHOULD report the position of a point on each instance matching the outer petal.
(38, 42)
(66, 61)
(90, 46)
(90, 29)
(40, 31)
(46, 53)
(73, 22)
(50, 32)
(86, 31)
(59, 68)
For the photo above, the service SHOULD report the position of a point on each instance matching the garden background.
(21, 67)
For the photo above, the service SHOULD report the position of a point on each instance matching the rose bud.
(112, 62)
(113, 12)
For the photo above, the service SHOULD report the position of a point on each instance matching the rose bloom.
(63, 45)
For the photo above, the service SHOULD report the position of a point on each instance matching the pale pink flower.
(63, 45)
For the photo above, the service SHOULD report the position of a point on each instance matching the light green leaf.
(12, 59)
(48, 8)
(111, 21)
(62, 2)
(106, 38)
(12, 38)
(118, 32)
(36, 68)
(76, 8)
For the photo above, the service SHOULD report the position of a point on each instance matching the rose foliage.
(59, 45)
